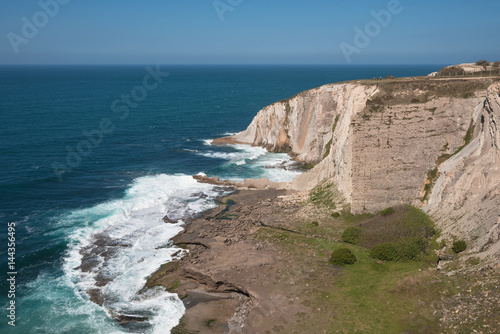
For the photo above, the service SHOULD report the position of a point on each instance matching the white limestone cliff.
(432, 143)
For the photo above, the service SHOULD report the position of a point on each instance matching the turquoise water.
(87, 185)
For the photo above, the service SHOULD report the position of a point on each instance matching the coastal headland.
(259, 262)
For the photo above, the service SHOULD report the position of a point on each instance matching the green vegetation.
(387, 252)
(459, 246)
(315, 224)
(351, 235)
(496, 64)
(342, 256)
(387, 211)
(467, 140)
(327, 147)
(421, 90)
(308, 165)
(329, 144)
(335, 214)
(325, 195)
(169, 267)
(410, 250)
(433, 174)
(403, 235)
(368, 297)
(392, 295)
(429, 183)
(482, 62)
(406, 222)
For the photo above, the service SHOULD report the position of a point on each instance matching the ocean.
(92, 159)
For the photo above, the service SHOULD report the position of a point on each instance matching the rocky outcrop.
(465, 199)
(427, 142)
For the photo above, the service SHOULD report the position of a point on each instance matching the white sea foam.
(136, 223)
(242, 153)
(277, 167)
(139, 243)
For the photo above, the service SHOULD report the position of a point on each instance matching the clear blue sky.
(254, 32)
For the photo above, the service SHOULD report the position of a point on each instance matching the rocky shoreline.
(222, 278)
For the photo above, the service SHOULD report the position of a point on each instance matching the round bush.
(335, 214)
(386, 252)
(342, 256)
(459, 246)
(351, 235)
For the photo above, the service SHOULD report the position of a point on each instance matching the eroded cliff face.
(465, 199)
(432, 143)
(303, 124)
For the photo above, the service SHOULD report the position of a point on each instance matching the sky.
(248, 31)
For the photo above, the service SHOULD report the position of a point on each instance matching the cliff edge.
(432, 143)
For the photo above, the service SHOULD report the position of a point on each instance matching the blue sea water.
(87, 184)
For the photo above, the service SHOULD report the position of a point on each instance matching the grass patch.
(325, 195)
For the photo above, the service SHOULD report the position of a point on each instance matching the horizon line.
(229, 64)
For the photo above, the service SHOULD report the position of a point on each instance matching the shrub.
(459, 246)
(351, 235)
(411, 250)
(386, 252)
(335, 214)
(315, 224)
(405, 224)
(482, 62)
(496, 64)
(387, 211)
(401, 251)
(342, 256)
